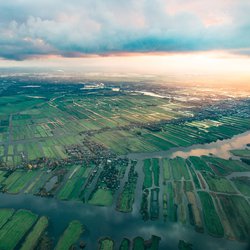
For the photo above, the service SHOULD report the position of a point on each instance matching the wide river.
(103, 221)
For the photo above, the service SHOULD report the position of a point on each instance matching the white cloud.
(98, 27)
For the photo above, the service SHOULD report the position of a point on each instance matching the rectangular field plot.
(158, 141)
(123, 142)
(72, 188)
(5, 215)
(199, 164)
(70, 236)
(15, 229)
(17, 103)
(1, 151)
(18, 180)
(194, 175)
(34, 236)
(242, 184)
(194, 212)
(22, 229)
(244, 153)
(166, 169)
(211, 218)
(237, 211)
(224, 167)
(156, 171)
(172, 207)
(218, 184)
(101, 197)
(148, 178)
(2, 176)
(179, 168)
(38, 181)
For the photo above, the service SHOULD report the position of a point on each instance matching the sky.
(162, 36)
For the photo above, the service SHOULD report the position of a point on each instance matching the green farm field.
(15, 229)
(101, 168)
(211, 218)
(70, 236)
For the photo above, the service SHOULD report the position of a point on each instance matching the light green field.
(12, 178)
(71, 189)
(11, 150)
(70, 236)
(19, 180)
(148, 181)
(106, 244)
(179, 168)
(101, 198)
(34, 236)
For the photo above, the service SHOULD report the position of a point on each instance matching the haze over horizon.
(207, 40)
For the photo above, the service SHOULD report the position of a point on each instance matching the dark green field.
(211, 218)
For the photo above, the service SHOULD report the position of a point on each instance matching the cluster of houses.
(110, 175)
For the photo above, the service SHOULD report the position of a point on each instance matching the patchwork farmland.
(109, 151)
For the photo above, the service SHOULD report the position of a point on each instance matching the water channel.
(105, 221)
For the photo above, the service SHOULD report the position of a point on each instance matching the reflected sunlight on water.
(219, 148)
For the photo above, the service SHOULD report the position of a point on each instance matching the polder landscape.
(120, 165)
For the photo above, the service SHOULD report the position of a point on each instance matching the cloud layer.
(74, 28)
